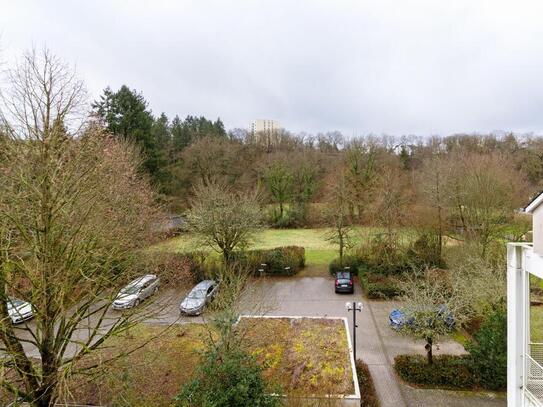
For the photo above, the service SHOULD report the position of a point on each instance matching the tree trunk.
(341, 251)
(227, 255)
(429, 353)
(280, 210)
(440, 238)
(45, 399)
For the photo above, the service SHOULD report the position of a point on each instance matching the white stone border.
(356, 395)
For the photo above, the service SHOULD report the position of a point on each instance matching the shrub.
(379, 287)
(488, 351)
(368, 396)
(424, 252)
(180, 268)
(294, 216)
(447, 371)
(348, 261)
(382, 257)
(226, 378)
(285, 261)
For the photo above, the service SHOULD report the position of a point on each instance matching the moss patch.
(302, 356)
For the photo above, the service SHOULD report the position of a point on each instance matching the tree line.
(294, 170)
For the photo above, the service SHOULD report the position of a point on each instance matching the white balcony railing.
(533, 374)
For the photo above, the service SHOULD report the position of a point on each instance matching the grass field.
(536, 324)
(318, 251)
(151, 376)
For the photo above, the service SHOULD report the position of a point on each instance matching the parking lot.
(377, 344)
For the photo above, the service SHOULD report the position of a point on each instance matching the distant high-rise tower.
(265, 126)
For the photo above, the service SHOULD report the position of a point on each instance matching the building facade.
(524, 355)
(265, 126)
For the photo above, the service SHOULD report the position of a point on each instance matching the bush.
(348, 261)
(379, 287)
(280, 261)
(180, 268)
(447, 371)
(293, 217)
(384, 258)
(224, 379)
(368, 396)
(489, 351)
(380, 257)
(424, 252)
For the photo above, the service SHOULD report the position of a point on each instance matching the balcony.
(533, 375)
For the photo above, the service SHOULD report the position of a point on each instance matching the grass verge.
(368, 395)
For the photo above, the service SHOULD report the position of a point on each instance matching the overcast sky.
(396, 67)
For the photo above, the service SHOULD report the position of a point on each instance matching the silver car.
(135, 292)
(195, 302)
(19, 310)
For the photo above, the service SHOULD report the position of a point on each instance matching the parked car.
(19, 310)
(398, 319)
(136, 291)
(344, 282)
(196, 300)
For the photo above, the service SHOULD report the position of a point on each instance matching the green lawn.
(536, 324)
(318, 251)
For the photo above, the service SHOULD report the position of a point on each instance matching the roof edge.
(538, 200)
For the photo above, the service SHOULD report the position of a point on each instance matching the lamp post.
(354, 306)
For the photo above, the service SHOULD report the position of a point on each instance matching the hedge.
(488, 350)
(379, 287)
(380, 257)
(447, 371)
(348, 261)
(280, 261)
(178, 268)
(368, 395)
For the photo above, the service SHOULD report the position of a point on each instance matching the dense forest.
(467, 182)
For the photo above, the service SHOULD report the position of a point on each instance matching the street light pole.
(354, 306)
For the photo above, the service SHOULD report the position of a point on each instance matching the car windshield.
(130, 289)
(14, 303)
(342, 275)
(197, 293)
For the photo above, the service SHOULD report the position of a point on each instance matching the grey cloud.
(398, 67)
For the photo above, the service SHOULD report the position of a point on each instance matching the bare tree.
(73, 210)
(433, 191)
(361, 175)
(390, 203)
(338, 216)
(280, 183)
(482, 193)
(223, 219)
(432, 309)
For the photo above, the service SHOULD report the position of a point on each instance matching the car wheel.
(156, 290)
(137, 302)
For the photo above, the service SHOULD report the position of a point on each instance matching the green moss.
(314, 359)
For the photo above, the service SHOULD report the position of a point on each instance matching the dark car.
(344, 282)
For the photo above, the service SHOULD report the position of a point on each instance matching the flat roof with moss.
(304, 356)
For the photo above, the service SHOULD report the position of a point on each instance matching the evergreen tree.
(180, 134)
(126, 115)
